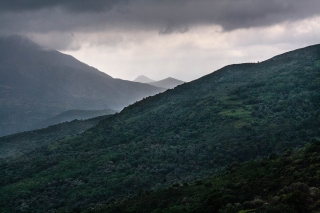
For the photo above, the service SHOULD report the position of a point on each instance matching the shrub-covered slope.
(235, 114)
(286, 184)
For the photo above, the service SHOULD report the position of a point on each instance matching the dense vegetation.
(286, 184)
(17, 144)
(239, 113)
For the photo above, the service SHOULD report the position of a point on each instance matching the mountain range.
(167, 83)
(240, 113)
(38, 83)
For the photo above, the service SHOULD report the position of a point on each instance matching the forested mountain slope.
(238, 113)
(286, 184)
(37, 83)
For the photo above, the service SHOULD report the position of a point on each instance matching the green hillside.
(286, 184)
(238, 113)
(18, 144)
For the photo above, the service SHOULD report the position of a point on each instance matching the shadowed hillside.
(37, 83)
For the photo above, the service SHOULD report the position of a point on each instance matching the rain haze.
(184, 39)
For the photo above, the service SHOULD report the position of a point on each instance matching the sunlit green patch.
(240, 113)
(247, 211)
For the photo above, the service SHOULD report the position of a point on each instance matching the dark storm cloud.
(230, 14)
(165, 16)
(71, 5)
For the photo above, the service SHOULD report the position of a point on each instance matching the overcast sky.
(185, 39)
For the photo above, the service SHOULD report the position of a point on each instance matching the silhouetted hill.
(143, 79)
(71, 115)
(167, 83)
(37, 83)
(236, 114)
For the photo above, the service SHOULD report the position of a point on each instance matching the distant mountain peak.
(167, 83)
(143, 79)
